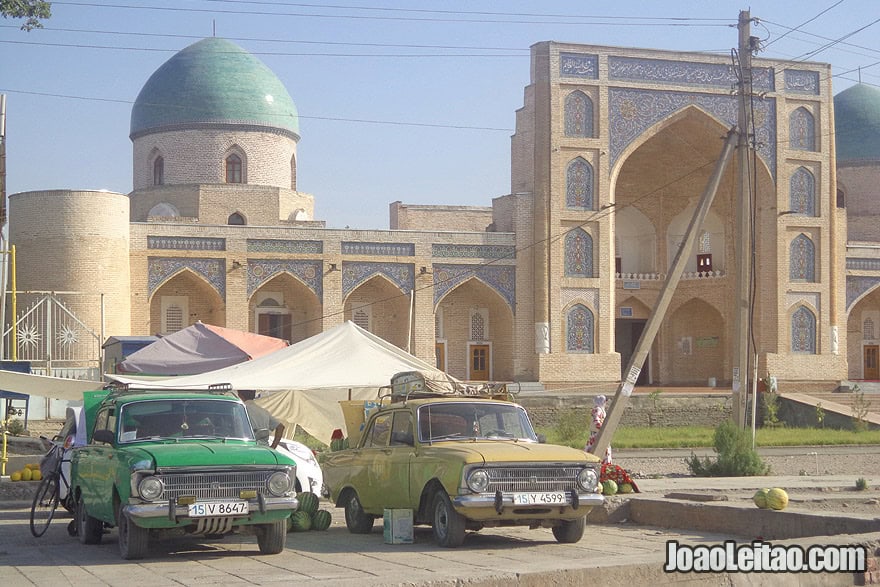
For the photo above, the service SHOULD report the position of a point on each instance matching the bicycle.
(48, 493)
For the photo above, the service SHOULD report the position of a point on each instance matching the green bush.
(736, 457)
(571, 429)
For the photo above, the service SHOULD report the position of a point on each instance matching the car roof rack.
(117, 388)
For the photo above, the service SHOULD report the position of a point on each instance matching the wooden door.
(872, 369)
(440, 355)
(479, 362)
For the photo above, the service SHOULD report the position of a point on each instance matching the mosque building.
(551, 283)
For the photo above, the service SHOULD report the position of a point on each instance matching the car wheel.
(358, 521)
(88, 529)
(569, 532)
(133, 540)
(449, 525)
(271, 538)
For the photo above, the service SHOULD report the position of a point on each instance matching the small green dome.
(213, 82)
(857, 123)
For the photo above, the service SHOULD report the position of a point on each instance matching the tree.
(32, 10)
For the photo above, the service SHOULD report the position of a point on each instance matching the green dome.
(857, 123)
(213, 82)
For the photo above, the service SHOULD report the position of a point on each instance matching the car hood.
(508, 451)
(210, 454)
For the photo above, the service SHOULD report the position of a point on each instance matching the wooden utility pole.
(743, 240)
(615, 412)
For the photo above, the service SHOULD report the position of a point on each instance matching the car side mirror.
(542, 439)
(106, 436)
(262, 434)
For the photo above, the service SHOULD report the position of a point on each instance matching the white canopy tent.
(304, 383)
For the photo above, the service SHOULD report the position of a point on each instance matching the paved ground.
(615, 553)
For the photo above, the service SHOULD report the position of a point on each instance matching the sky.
(398, 101)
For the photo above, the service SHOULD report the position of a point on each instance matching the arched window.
(802, 130)
(236, 219)
(159, 171)
(578, 115)
(164, 210)
(293, 172)
(579, 185)
(802, 259)
(578, 254)
(233, 169)
(579, 330)
(803, 331)
(802, 192)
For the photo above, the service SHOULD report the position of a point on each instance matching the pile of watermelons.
(308, 516)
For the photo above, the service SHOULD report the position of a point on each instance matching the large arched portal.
(185, 299)
(382, 308)
(695, 345)
(284, 307)
(863, 337)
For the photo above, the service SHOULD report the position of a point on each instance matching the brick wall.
(458, 218)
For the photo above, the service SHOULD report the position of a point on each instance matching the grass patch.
(702, 436)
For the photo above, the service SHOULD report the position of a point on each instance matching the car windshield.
(473, 419)
(183, 418)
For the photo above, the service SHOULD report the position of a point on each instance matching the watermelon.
(300, 521)
(308, 503)
(609, 487)
(777, 499)
(321, 520)
(760, 498)
(625, 488)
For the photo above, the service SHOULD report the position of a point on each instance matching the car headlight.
(478, 480)
(588, 479)
(151, 488)
(279, 483)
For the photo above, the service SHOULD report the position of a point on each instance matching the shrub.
(770, 401)
(736, 457)
(861, 484)
(860, 408)
(572, 428)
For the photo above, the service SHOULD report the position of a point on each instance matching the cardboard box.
(398, 526)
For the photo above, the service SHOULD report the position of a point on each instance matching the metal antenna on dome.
(213, 27)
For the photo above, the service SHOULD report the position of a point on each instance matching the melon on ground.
(760, 498)
(777, 499)
(609, 487)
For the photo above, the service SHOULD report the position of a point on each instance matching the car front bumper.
(174, 512)
(501, 502)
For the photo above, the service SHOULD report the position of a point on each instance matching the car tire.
(570, 531)
(88, 529)
(449, 525)
(357, 520)
(271, 538)
(133, 540)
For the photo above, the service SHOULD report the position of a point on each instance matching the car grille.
(508, 479)
(213, 485)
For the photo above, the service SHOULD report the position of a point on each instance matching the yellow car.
(462, 463)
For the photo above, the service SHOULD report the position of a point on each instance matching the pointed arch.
(237, 219)
(802, 259)
(578, 115)
(579, 330)
(802, 130)
(164, 210)
(578, 253)
(159, 170)
(579, 184)
(803, 331)
(802, 192)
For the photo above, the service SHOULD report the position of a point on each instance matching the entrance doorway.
(479, 362)
(871, 353)
(626, 337)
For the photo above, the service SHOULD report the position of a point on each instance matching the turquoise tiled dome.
(213, 82)
(857, 123)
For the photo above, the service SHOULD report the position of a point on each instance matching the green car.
(462, 463)
(176, 463)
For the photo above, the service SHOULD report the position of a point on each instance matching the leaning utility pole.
(743, 240)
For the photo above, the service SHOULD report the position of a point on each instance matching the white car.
(308, 472)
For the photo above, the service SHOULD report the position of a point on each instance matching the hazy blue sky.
(410, 101)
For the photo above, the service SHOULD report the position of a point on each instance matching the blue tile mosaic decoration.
(863, 264)
(354, 273)
(632, 112)
(378, 249)
(579, 185)
(857, 286)
(490, 252)
(257, 245)
(799, 81)
(578, 115)
(803, 331)
(802, 259)
(684, 73)
(309, 272)
(802, 130)
(186, 243)
(161, 269)
(802, 192)
(578, 65)
(578, 254)
(579, 330)
(500, 278)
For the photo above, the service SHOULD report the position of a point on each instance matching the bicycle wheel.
(45, 502)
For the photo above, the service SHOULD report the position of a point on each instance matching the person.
(260, 417)
(598, 418)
